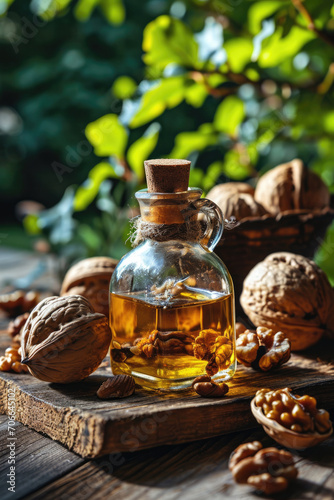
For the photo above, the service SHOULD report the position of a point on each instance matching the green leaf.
(196, 94)
(188, 142)
(260, 11)
(108, 136)
(234, 168)
(31, 224)
(113, 10)
(84, 8)
(167, 93)
(142, 148)
(229, 115)
(86, 193)
(328, 122)
(276, 49)
(124, 87)
(196, 177)
(214, 171)
(239, 52)
(90, 237)
(167, 40)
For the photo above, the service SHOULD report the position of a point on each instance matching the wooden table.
(199, 470)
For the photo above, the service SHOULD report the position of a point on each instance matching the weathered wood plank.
(187, 472)
(38, 460)
(73, 415)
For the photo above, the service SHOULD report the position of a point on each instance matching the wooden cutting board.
(73, 415)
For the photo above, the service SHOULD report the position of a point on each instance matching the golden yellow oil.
(133, 319)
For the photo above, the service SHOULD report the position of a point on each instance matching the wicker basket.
(255, 238)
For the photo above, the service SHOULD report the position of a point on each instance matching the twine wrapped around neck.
(190, 230)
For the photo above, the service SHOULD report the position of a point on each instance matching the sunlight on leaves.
(124, 87)
(108, 136)
(239, 52)
(229, 115)
(86, 193)
(188, 142)
(166, 93)
(276, 49)
(141, 150)
(260, 11)
(168, 40)
(234, 166)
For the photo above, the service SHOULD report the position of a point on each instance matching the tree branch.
(298, 4)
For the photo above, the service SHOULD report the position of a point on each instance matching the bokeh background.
(91, 88)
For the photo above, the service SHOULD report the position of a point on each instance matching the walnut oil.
(165, 345)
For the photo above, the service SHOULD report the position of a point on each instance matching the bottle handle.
(214, 222)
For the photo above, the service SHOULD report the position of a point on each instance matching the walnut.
(297, 413)
(267, 469)
(118, 386)
(204, 344)
(18, 302)
(201, 378)
(291, 186)
(219, 192)
(210, 389)
(64, 340)
(222, 351)
(291, 293)
(263, 350)
(238, 205)
(214, 348)
(90, 278)
(16, 325)
(247, 346)
(11, 361)
(244, 451)
(239, 328)
(164, 344)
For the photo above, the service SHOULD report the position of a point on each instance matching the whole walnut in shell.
(64, 340)
(238, 205)
(291, 186)
(291, 293)
(219, 191)
(90, 278)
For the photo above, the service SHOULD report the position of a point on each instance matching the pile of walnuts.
(290, 187)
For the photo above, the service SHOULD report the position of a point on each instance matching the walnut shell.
(239, 205)
(291, 293)
(291, 186)
(64, 340)
(90, 278)
(219, 191)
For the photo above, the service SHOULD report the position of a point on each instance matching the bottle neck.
(168, 208)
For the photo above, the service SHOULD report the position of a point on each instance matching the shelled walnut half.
(64, 340)
(263, 350)
(267, 469)
(214, 348)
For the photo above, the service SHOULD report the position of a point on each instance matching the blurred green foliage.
(237, 86)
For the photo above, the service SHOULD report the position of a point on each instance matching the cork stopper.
(167, 175)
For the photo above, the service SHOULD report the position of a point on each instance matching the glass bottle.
(171, 298)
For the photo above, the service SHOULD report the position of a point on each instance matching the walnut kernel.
(263, 350)
(118, 386)
(267, 469)
(297, 413)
